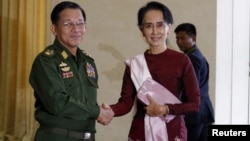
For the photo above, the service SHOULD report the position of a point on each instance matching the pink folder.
(155, 128)
(158, 92)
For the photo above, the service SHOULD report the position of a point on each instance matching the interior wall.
(232, 82)
(112, 36)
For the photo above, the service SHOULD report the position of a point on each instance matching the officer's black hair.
(153, 5)
(187, 27)
(55, 14)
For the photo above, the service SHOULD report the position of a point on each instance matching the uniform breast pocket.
(71, 84)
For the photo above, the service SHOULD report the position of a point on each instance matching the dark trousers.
(197, 132)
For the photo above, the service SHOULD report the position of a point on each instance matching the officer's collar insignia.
(49, 52)
(66, 73)
(64, 54)
(90, 70)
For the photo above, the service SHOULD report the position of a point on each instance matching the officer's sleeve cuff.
(95, 112)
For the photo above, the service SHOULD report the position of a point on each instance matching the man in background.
(197, 123)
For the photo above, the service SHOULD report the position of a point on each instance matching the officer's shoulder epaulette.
(84, 52)
(49, 51)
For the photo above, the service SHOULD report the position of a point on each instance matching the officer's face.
(70, 28)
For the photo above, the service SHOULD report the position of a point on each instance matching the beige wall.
(112, 36)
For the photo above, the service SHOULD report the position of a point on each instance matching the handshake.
(106, 114)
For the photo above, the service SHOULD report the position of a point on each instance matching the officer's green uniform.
(66, 94)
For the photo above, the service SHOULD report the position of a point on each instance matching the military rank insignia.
(49, 52)
(90, 70)
(64, 54)
(66, 73)
(84, 52)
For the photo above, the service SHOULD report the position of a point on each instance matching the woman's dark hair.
(55, 14)
(153, 5)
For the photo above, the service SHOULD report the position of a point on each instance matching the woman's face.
(70, 28)
(154, 29)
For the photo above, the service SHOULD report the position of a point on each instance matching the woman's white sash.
(155, 127)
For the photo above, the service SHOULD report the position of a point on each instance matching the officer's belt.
(66, 132)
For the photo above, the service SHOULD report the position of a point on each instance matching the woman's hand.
(154, 109)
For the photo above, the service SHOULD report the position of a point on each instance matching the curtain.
(22, 37)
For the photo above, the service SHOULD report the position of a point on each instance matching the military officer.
(65, 81)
